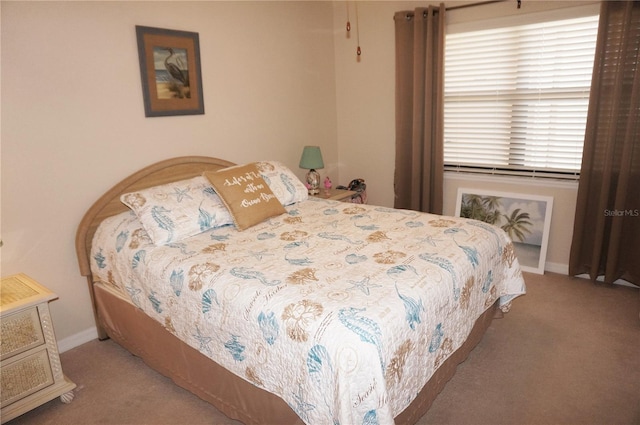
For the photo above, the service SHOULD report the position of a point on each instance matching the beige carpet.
(567, 353)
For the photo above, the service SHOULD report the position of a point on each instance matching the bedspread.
(342, 310)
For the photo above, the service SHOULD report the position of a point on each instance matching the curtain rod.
(482, 3)
(464, 6)
(409, 14)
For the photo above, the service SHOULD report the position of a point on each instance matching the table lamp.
(312, 160)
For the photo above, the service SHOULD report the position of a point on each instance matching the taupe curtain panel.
(419, 167)
(606, 235)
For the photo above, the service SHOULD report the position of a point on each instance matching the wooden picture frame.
(170, 71)
(526, 219)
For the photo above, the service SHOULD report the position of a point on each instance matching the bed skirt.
(234, 396)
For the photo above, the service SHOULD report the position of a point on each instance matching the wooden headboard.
(109, 204)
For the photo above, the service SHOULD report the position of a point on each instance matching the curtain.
(419, 163)
(606, 234)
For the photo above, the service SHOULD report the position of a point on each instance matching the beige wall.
(73, 121)
(276, 76)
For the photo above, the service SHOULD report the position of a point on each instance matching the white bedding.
(344, 311)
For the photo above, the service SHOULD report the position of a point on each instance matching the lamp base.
(313, 182)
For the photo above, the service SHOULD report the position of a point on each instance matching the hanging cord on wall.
(348, 21)
(358, 50)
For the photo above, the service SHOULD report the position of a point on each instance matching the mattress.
(344, 311)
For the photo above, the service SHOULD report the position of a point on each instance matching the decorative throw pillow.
(282, 182)
(174, 211)
(245, 193)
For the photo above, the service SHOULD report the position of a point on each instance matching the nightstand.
(336, 194)
(30, 369)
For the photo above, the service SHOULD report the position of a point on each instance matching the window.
(516, 97)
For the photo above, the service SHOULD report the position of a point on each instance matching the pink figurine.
(327, 185)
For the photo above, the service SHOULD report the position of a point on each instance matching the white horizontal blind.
(516, 97)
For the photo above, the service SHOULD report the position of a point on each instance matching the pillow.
(246, 195)
(282, 182)
(177, 210)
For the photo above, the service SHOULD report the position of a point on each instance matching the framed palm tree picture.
(525, 218)
(170, 71)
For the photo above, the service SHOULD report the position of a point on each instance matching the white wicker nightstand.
(30, 369)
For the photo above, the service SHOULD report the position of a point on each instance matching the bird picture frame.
(170, 71)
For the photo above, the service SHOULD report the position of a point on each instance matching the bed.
(321, 312)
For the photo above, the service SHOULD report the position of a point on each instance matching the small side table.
(30, 369)
(336, 194)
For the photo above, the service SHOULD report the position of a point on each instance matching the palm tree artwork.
(517, 224)
(523, 219)
(483, 208)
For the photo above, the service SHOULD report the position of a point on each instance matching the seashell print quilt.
(342, 310)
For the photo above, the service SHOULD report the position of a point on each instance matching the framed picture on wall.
(170, 71)
(525, 218)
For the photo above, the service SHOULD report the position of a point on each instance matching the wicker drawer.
(24, 376)
(20, 332)
(30, 369)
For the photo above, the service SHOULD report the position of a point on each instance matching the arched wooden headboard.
(109, 204)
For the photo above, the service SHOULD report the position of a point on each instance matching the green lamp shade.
(311, 158)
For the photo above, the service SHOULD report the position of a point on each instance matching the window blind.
(516, 97)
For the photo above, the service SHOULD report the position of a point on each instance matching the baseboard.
(564, 270)
(77, 339)
(557, 268)
(617, 282)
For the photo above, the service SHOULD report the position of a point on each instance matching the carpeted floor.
(567, 353)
